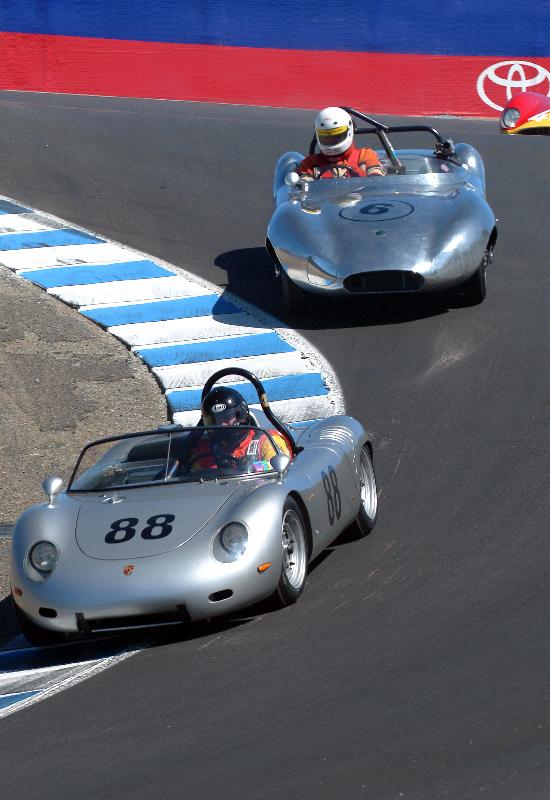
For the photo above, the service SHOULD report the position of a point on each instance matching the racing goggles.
(333, 136)
(225, 416)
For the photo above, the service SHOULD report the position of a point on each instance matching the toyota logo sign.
(513, 77)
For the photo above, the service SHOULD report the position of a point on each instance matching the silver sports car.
(422, 227)
(150, 533)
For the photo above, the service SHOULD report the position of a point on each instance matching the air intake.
(391, 280)
(134, 622)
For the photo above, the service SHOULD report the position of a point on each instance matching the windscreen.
(193, 454)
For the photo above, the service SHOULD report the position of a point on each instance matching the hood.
(381, 226)
(389, 223)
(147, 521)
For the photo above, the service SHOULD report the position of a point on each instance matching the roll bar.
(262, 396)
(443, 148)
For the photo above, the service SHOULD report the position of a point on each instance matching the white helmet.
(334, 131)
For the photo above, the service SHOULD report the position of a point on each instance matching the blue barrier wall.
(244, 51)
(462, 27)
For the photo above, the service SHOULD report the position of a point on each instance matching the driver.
(249, 447)
(339, 158)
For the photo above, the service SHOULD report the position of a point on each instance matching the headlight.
(234, 538)
(320, 272)
(509, 118)
(447, 264)
(43, 556)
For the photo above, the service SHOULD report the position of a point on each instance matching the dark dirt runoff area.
(63, 382)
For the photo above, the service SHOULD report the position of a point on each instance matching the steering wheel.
(224, 461)
(184, 469)
(227, 461)
(349, 169)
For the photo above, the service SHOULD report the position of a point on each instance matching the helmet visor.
(332, 137)
(228, 415)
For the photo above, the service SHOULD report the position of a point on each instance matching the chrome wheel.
(295, 555)
(368, 510)
(369, 497)
(294, 549)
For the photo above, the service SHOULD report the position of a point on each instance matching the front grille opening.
(135, 621)
(47, 612)
(391, 280)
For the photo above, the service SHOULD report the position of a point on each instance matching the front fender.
(288, 162)
(472, 163)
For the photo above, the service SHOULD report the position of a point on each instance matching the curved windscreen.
(188, 455)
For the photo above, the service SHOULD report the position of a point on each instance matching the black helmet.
(224, 406)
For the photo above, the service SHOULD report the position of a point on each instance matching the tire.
(368, 510)
(40, 637)
(294, 543)
(295, 300)
(473, 291)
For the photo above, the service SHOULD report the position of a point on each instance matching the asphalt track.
(416, 663)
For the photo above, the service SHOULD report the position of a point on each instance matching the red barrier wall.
(379, 82)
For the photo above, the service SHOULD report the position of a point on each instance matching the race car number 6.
(122, 530)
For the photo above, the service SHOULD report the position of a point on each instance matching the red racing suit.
(254, 450)
(354, 163)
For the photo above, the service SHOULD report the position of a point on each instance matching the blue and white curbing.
(28, 675)
(183, 329)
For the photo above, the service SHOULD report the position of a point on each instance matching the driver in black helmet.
(243, 445)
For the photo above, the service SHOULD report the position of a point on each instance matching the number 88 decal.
(334, 499)
(122, 530)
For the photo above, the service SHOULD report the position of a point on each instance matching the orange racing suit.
(354, 163)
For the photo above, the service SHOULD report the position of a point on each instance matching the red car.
(526, 112)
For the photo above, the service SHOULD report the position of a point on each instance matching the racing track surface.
(416, 663)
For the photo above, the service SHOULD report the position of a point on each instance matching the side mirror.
(292, 178)
(279, 463)
(52, 486)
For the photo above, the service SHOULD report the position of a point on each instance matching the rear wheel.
(40, 637)
(294, 544)
(368, 510)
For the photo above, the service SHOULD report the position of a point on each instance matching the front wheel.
(474, 290)
(295, 300)
(40, 637)
(368, 510)
(294, 544)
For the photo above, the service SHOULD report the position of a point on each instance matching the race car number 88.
(334, 500)
(122, 530)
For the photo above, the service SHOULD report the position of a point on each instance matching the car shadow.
(8, 622)
(251, 278)
(103, 645)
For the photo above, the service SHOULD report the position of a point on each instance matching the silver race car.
(150, 533)
(422, 227)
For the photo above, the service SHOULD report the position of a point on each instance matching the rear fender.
(332, 493)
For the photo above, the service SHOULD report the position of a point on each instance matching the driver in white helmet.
(339, 158)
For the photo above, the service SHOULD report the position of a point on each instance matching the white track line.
(87, 672)
(97, 294)
(272, 366)
(64, 255)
